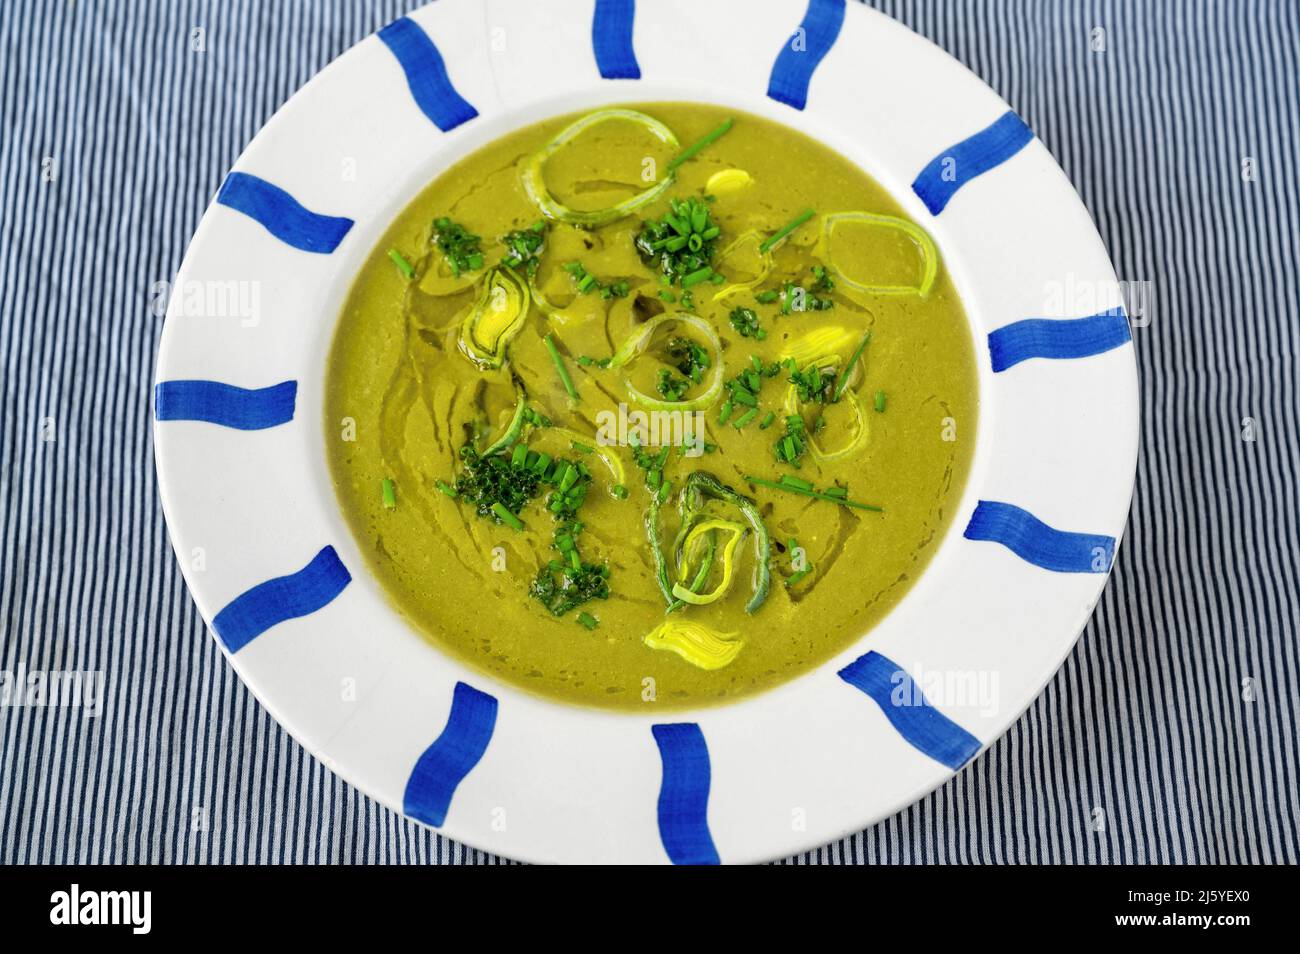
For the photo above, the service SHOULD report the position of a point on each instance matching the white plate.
(818, 757)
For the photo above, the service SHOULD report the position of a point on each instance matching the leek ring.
(534, 179)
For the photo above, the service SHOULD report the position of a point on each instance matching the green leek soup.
(654, 406)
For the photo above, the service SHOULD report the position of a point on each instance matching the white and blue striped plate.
(253, 517)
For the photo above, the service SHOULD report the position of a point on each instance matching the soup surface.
(634, 424)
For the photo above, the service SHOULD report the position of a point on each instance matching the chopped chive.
(446, 488)
(796, 577)
(742, 396)
(880, 401)
(582, 448)
(848, 368)
(587, 620)
(766, 297)
(696, 147)
(798, 483)
(777, 485)
(559, 366)
(403, 266)
(725, 411)
(836, 492)
(786, 229)
(509, 519)
(619, 491)
(697, 276)
(745, 418)
(570, 477)
(766, 422)
(389, 493)
(519, 456)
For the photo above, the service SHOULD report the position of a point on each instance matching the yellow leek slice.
(924, 244)
(495, 318)
(727, 181)
(816, 344)
(694, 642)
(534, 178)
(684, 593)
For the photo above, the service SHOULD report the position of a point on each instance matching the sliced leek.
(727, 181)
(694, 642)
(657, 551)
(924, 244)
(701, 484)
(511, 433)
(637, 342)
(495, 318)
(688, 594)
(815, 345)
(860, 431)
(534, 173)
(746, 254)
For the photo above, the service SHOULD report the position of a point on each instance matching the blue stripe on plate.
(923, 726)
(803, 51)
(426, 74)
(1058, 338)
(281, 214)
(446, 762)
(217, 403)
(684, 794)
(611, 38)
(285, 597)
(953, 168)
(1035, 542)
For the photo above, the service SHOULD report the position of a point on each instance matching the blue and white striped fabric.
(1169, 736)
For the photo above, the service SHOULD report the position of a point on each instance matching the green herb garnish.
(696, 147)
(403, 266)
(786, 229)
(524, 247)
(461, 247)
(880, 401)
(812, 385)
(791, 445)
(671, 387)
(488, 480)
(691, 358)
(389, 493)
(681, 245)
(848, 367)
(567, 381)
(745, 321)
(797, 299)
(588, 284)
(822, 281)
(782, 484)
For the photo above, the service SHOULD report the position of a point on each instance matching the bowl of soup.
(599, 443)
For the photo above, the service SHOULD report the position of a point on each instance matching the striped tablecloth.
(1169, 735)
